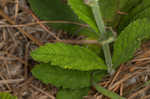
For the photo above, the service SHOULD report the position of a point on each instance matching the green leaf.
(127, 5)
(84, 12)
(68, 56)
(55, 10)
(98, 75)
(61, 77)
(4, 95)
(88, 32)
(107, 93)
(137, 7)
(122, 4)
(72, 94)
(144, 14)
(108, 9)
(130, 40)
(140, 7)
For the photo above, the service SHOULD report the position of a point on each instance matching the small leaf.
(72, 94)
(4, 95)
(55, 10)
(61, 77)
(68, 57)
(84, 12)
(107, 93)
(130, 40)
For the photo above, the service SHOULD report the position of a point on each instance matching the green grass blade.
(4, 95)
(107, 93)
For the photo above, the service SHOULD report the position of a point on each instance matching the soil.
(21, 32)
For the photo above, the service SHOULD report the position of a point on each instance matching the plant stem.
(100, 23)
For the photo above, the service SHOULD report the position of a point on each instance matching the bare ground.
(21, 31)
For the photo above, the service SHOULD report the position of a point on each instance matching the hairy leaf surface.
(4, 95)
(72, 94)
(62, 77)
(54, 10)
(68, 56)
(130, 40)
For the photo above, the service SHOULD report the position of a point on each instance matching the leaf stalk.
(94, 4)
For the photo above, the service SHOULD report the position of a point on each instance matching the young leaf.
(72, 94)
(61, 77)
(54, 10)
(68, 57)
(130, 40)
(84, 12)
(4, 95)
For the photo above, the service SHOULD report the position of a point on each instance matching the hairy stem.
(100, 23)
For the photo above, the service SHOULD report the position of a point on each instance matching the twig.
(139, 92)
(122, 13)
(26, 61)
(26, 82)
(115, 76)
(16, 9)
(141, 59)
(78, 41)
(40, 90)
(45, 22)
(11, 81)
(7, 85)
(36, 41)
(121, 89)
(146, 97)
(43, 26)
(124, 79)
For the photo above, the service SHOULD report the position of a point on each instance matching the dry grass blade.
(36, 41)
(11, 81)
(138, 92)
(42, 91)
(124, 79)
(77, 41)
